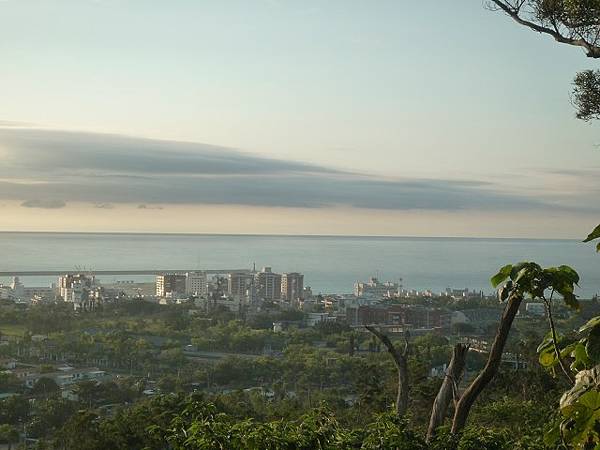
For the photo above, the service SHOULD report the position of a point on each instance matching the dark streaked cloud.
(45, 204)
(63, 151)
(60, 166)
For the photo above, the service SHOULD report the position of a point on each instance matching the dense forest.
(329, 386)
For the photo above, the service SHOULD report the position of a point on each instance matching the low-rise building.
(405, 316)
(375, 288)
(66, 376)
(315, 318)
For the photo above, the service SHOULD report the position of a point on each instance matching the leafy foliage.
(595, 234)
(528, 278)
(586, 96)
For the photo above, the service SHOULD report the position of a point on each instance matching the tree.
(14, 409)
(467, 399)
(45, 386)
(571, 22)
(82, 432)
(49, 415)
(448, 390)
(87, 391)
(8, 382)
(524, 278)
(400, 360)
(8, 435)
(463, 328)
(577, 23)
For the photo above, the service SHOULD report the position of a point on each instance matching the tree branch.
(448, 389)
(555, 338)
(592, 51)
(491, 367)
(400, 360)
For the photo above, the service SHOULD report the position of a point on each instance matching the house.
(66, 376)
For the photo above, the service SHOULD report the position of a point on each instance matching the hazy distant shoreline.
(330, 263)
(284, 235)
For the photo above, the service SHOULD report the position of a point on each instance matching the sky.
(274, 116)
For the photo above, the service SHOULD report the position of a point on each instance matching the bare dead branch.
(400, 360)
(448, 389)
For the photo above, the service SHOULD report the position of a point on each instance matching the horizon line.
(379, 236)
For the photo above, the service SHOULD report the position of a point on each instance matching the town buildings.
(292, 286)
(80, 290)
(268, 284)
(241, 286)
(66, 376)
(170, 285)
(375, 288)
(463, 294)
(17, 291)
(401, 316)
(196, 283)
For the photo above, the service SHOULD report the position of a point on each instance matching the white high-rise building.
(240, 285)
(268, 284)
(171, 284)
(17, 287)
(79, 289)
(196, 283)
(292, 286)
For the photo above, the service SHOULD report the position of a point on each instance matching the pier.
(48, 273)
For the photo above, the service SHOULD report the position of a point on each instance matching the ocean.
(330, 264)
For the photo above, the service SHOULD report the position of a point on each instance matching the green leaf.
(552, 436)
(591, 400)
(525, 271)
(580, 358)
(516, 268)
(590, 324)
(501, 275)
(570, 349)
(593, 235)
(592, 347)
(570, 273)
(546, 342)
(571, 300)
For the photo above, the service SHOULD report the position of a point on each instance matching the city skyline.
(332, 118)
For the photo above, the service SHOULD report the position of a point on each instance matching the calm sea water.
(330, 264)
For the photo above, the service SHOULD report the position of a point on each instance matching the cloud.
(45, 204)
(105, 169)
(63, 152)
(12, 123)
